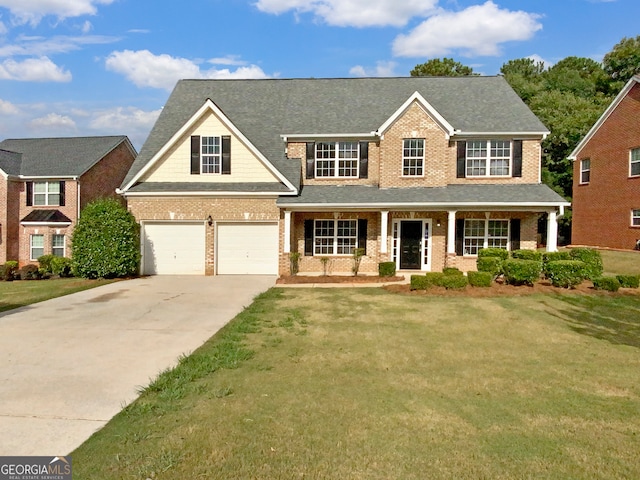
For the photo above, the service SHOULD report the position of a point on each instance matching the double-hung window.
(634, 162)
(46, 193)
(211, 154)
(485, 234)
(585, 170)
(635, 218)
(337, 159)
(36, 246)
(488, 158)
(335, 237)
(57, 245)
(413, 157)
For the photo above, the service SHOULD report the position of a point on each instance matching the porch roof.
(469, 197)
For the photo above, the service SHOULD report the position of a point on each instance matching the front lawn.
(367, 384)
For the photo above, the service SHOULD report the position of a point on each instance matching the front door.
(410, 244)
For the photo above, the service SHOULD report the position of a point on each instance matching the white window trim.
(583, 170)
(31, 247)
(217, 157)
(46, 194)
(634, 216)
(487, 159)
(335, 236)
(64, 244)
(485, 238)
(335, 161)
(632, 161)
(421, 158)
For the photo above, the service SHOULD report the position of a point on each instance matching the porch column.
(451, 232)
(287, 231)
(384, 225)
(552, 232)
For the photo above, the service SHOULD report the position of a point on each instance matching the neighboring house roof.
(603, 118)
(266, 110)
(467, 196)
(46, 216)
(62, 156)
(10, 162)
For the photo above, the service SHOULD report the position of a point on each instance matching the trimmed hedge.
(629, 281)
(454, 282)
(521, 272)
(480, 279)
(452, 271)
(566, 273)
(434, 279)
(492, 265)
(553, 257)
(430, 279)
(608, 283)
(9, 271)
(387, 269)
(30, 272)
(592, 260)
(493, 252)
(527, 255)
(419, 282)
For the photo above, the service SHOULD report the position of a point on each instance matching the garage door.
(247, 248)
(174, 249)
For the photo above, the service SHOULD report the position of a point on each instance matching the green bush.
(521, 272)
(608, 283)
(106, 241)
(493, 252)
(480, 279)
(492, 265)
(387, 269)
(419, 282)
(592, 260)
(566, 273)
(527, 255)
(434, 279)
(553, 257)
(629, 281)
(46, 262)
(30, 272)
(454, 282)
(9, 271)
(452, 271)
(61, 266)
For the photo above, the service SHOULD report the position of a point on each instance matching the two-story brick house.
(606, 176)
(237, 174)
(44, 184)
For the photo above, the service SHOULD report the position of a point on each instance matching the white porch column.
(384, 225)
(552, 232)
(287, 231)
(451, 232)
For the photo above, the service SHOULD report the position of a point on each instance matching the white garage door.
(247, 248)
(174, 249)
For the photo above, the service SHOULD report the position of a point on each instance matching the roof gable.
(420, 100)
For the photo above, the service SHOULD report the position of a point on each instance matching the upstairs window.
(585, 170)
(413, 157)
(634, 162)
(46, 194)
(337, 159)
(488, 158)
(211, 154)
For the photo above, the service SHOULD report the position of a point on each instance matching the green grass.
(365, 384)
(621, 263)
(25, 292)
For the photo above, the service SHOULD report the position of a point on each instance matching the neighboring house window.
(634, 162)
(635, 218)
(488, 158)
(46, 193)
(335, 237)
(57, 245)
(36, 243)
(336, 159)
(211, 154)
(585, 170)
(485, 234)
(413, 157)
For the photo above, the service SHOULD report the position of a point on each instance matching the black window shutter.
(29, 194)
(195, 155)
(62, 193)
(515, 234)
(226, 155)
(460, 236)
(311, 159)
(364, 159)
(517, 158)
(362, 234)
(308, 237)
(461, 164)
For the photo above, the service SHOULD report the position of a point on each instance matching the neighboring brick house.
(606, 176)
(422, 171)
(46, 182)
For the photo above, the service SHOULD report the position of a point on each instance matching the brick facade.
(602, 208)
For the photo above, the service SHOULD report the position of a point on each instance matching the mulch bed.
(303, 279)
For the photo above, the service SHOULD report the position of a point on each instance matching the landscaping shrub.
(9, 271)
(527, 255)
(61, 266)
(592, 260)
(419, 282)
(566, 273)
(452, 271)
(454, 282)
(521, 272)
(493, 252)
(387, 269)
(430, 279)
(553, 257)
(480, 279)
(30, 272)
(46, 263)
(106, 241)
(629, 281)
(294, 263)
(492, 265)
(434, 279)
(608, 283)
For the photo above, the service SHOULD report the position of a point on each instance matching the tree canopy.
(445, 67)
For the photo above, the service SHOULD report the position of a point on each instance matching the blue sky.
(106, 67)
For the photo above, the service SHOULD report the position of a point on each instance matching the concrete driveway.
(69, 364)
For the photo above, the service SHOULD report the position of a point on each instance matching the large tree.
(445, 67)
(623, 61)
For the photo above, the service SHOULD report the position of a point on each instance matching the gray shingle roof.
(203, 187)
(356, 195)
(265, 109)
(62, 156)
(10, 162)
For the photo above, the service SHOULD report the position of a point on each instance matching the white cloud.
(145, 69)
(32, 11)
(46, 46)
(86, 27)
(228, 60)
(7, 108)
(382, 69)
(53, 122)
(354, 13)
(3, 28)
(130, 121)
(33, 70)
(477, 30)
